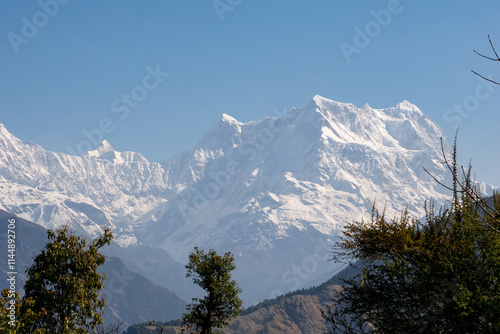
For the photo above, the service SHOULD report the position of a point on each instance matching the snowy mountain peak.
(407, 107)
(318, 98)
(4, 131)
(224, 134)
(324, 103)
(275, 192)
(106, 152)
(8, 141)
(104, 147)
(228, 119)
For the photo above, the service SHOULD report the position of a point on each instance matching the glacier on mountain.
(275, 192)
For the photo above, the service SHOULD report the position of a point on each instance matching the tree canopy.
(441, 275)
(63, 286)
(212, 273)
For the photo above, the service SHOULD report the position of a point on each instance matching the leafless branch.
(447, 164)
(482, 77)
(479, 201)
(493, 48)
(489, 58)
(438, 182)
(495, 51)
(468, 191)
(114, 328)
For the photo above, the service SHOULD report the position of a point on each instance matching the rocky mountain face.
(296, 312)
(274, 192)
(130, 297)
(29, 240)
(102, 188)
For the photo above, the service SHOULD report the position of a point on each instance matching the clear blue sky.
(72, 70)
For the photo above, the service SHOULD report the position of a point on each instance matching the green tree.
(437, 276)
(9, 309)
(63, 285)
(212, 273)
(11, 321)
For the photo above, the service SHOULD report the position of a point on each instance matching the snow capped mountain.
(101, 188)
(53, 188)
(275, 192)
(106, 152)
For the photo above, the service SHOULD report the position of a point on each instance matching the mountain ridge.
(130, 297)
(275, 192)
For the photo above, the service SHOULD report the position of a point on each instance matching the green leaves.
(63, 285)
(440, 276)
(212, 273)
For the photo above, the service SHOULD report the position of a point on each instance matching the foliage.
(9, 309)
(8, 321)
(437, 276)
(63, 286)
(14, 323)
(212, 273)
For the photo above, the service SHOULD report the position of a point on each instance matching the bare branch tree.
(114, 328)
(489, 58)
(460, 188)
